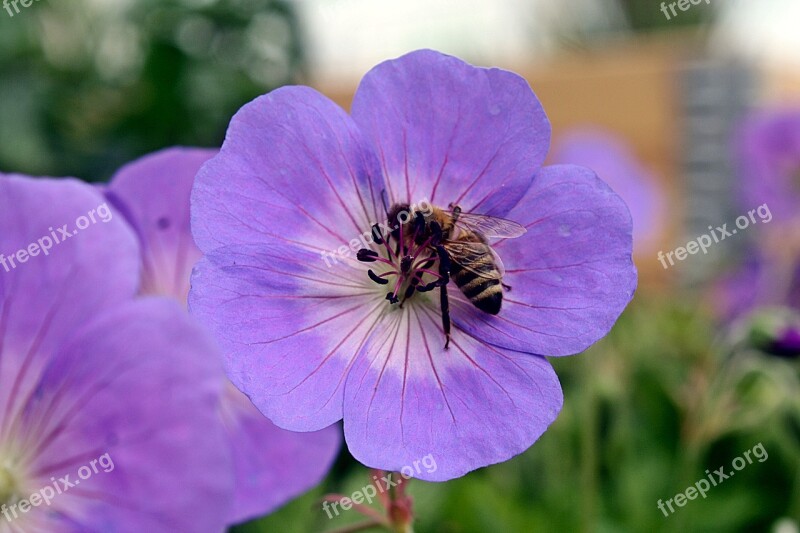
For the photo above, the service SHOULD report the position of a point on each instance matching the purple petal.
(289, 327)
(451, 132)
(272, 465)
(469, 406)
(141, 384)
(294, 168)
(571, 274)
(614, 162)
(46, 297)
(153, 194)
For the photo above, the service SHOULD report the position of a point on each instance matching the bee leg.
(506, 287)
(445, 304)
(419, 228)
(444, 301)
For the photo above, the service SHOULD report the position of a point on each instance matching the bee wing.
(471, 256)
(490, 226)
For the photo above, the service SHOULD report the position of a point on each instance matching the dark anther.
(429, 287)
(374, 277)
(392, 298)
(366, 255)
(405, 264)
(377, 234)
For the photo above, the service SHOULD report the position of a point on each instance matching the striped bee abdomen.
(485, 293)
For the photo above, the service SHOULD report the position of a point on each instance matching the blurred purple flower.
(107, 406)
(768, 147)
(616, 164)
(310, 344)
(768, 155)
(272, 465)
(786, 345)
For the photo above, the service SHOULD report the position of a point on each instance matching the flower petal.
(615, 163)
(273, 465)
(451, 132)
(161, 220)
(63, 281)
(469, 406)
(571, 274)
(294, 168)
(141, 384)
(289, 327)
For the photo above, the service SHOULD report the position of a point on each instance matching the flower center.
(410, 257)
(9, 485)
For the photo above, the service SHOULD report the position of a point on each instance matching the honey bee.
(460, 241)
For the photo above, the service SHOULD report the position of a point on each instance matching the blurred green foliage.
(646, 15)
(88, 85)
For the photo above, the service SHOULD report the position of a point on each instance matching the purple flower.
(612, 159)
(787, 344)
(768, 148)
(107, 405)
(768, 152)
(310, 336)
(272, 465)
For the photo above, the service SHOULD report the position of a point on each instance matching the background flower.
(85, 372)
(272, 465)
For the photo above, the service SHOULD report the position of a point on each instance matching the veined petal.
(161, 219)
(295, 169)
(288, 325)
(66, 276)
(141, 384)
(571, 274)
(469, 406)
(451, 132)
(273, 465)
(616, 164)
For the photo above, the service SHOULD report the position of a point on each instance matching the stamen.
(377, 279)
(367, 256)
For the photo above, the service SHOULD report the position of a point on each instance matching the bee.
(460, 241)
